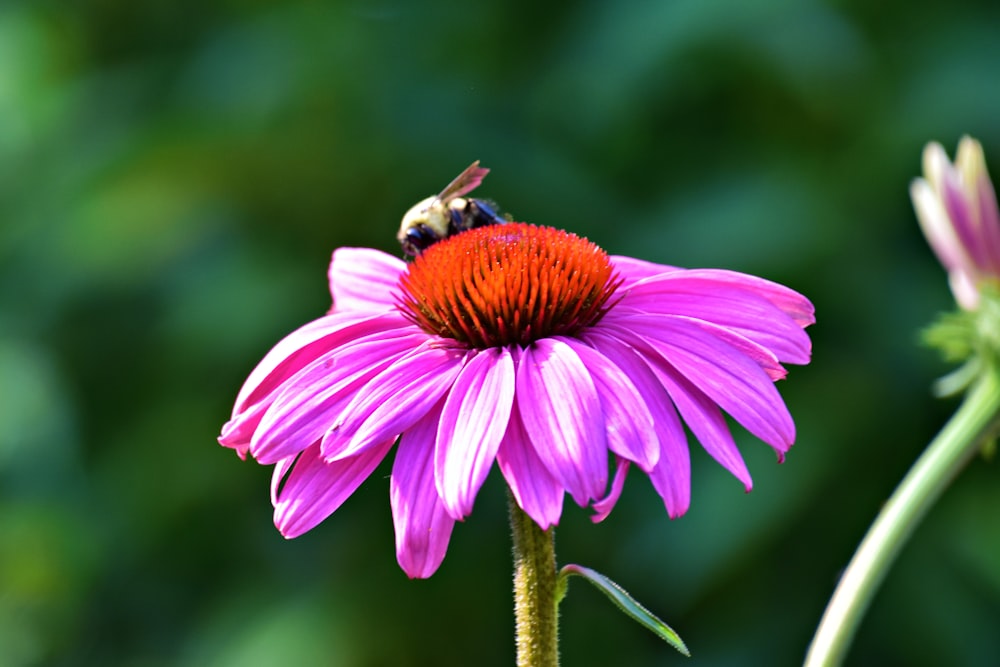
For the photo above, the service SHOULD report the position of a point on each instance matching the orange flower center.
(507, 284)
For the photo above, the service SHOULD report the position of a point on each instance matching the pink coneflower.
(957, 210)
(523, 345)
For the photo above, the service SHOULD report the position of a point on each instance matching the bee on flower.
(522, 346)
(447, 213)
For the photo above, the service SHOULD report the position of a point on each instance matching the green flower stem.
(534, 591)
(946, 455)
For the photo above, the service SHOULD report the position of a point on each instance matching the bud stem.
(946, 455)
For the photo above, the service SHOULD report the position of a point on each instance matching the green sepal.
(953, 335)
(957, 381)
(625, 602)
(970, 337)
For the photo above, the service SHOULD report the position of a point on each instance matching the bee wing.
(465, 182)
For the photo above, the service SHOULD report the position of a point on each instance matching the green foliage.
(173, 178)
(626, 604)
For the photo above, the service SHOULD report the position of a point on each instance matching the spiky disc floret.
(508, 284)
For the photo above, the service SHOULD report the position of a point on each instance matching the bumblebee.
(447, 213)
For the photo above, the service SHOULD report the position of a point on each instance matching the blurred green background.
(174, 176)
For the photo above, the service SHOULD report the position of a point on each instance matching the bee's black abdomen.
(483, 214)
(475, 213)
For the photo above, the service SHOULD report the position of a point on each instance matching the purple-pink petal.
(472, 425)
(972, 209)
(303, 345)
(364, 279)
(660, 328)
(315, 488)
(312, 400)
(703, 417)
(957, 210)
(423, 526)
(989, 220)
(788, 300)
(395, 399)
(603, 507)
(536, 491)
(717, 362)
(674, 464)
(281, 469)
(561, 412)
(628, 424)
(717, 300)
(962, 216)
(632, 270)
(297, 350)
(673, 484)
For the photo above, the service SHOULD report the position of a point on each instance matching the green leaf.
(625, 603)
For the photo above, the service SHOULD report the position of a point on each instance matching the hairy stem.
(534, 591)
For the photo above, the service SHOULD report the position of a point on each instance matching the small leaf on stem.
(626, 603)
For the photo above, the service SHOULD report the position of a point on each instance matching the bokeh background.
(174, 176)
